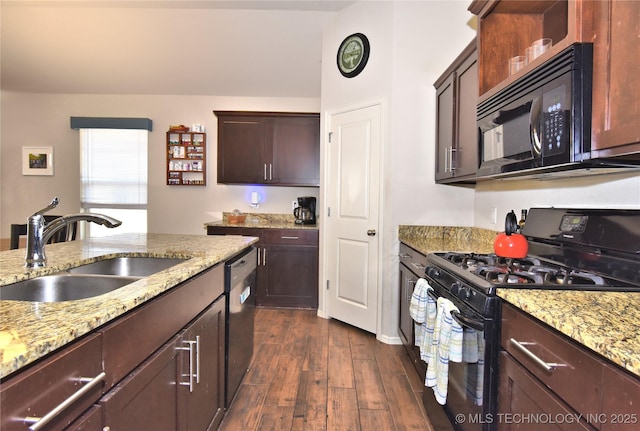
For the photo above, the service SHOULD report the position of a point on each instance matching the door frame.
(325, 120)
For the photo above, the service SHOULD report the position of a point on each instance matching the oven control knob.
(433, 272)
(456, 288)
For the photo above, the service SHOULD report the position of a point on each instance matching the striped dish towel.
(422, 310)
(446, 346)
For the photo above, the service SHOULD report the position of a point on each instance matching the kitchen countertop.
(264, 221)
(604, 322)
(31, 330)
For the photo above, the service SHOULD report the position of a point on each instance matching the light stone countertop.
(605, 322)
(264, 221)
(31, 330)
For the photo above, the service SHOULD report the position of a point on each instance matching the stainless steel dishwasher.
(240, 288)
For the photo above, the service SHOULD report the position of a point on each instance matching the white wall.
(594, 191)
(30, 119)
(412, 43)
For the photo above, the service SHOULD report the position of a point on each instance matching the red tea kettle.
(509, 243)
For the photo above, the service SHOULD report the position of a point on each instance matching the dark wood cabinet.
(543, 372)
(201, 371)
(268, 148)
(37, 390)
(148, 398)
(616, 83)
(412, 266)
(456, 131)
(288, 261)
(181, 385)
(523, 396)
(134, 373)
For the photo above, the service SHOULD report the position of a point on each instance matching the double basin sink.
(86, 281)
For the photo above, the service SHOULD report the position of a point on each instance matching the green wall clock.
(353, 55)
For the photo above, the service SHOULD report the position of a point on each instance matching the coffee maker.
(306, 211)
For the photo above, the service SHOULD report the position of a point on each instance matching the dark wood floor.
(310, 373)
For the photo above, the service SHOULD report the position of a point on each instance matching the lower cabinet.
(544, 374)
(287, 265)
(201, 371)
(159, 367)
(180, 387)
(412, 266)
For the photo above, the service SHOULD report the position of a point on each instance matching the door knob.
(371, 232)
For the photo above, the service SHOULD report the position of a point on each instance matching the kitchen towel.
(446, 346)
(422, 310)
(473, 356)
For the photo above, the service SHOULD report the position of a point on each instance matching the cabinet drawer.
(414, 260)
(290, 236)
(576, 374)
(38, 390)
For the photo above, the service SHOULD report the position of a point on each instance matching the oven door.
(472, 388)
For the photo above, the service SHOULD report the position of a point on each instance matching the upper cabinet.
(616, 82)
(456, 131)
(274, 148)
(506, 28)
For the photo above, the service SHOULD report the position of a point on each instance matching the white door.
(353, 190)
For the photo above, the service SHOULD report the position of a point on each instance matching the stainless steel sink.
(63, 287)
(127, 266)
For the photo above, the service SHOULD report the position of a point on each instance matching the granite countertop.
(604, 322)
(264, 221)
(31, 330)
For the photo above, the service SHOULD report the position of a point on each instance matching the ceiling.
(184, 47)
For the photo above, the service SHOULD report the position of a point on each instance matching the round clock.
(353, 55)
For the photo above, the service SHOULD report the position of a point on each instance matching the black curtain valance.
(111, 123)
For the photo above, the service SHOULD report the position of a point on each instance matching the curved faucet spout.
(38, 233)
(57, 224)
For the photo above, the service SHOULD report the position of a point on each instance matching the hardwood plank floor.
(314, 374)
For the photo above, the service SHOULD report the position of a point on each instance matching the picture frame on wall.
(37, 160)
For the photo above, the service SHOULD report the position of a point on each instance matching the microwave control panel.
(556, 116)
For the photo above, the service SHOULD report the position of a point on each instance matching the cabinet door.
(296, 151)
(407, 283)
(521, 395)
(201, 370)
(242, 142)
(465, 156)
(445, 111)
(616, 83)
(147, 399)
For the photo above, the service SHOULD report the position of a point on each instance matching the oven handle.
(478, 325)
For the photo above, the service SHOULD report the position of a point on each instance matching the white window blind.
(113, 168)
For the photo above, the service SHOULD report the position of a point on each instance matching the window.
(113, 178)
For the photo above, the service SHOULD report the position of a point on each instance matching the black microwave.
(541, 122)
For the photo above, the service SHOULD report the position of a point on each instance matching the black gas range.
(569, 249)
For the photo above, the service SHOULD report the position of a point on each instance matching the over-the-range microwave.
(540, 125)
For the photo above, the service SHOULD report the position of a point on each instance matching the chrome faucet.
(38, 233)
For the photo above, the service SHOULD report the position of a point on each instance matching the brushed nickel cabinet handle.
(38, 423)
(547, 366)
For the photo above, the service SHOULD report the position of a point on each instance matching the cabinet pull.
(289, 237)
(264, 257)
(451, 166)
(265, 172)
(38, 423)
(418, 266)
(190, 374)
(259, 256)
(547, 366)
(270, 171)
(404, 255)
(197, 359)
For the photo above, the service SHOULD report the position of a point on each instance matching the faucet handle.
(53, 204)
